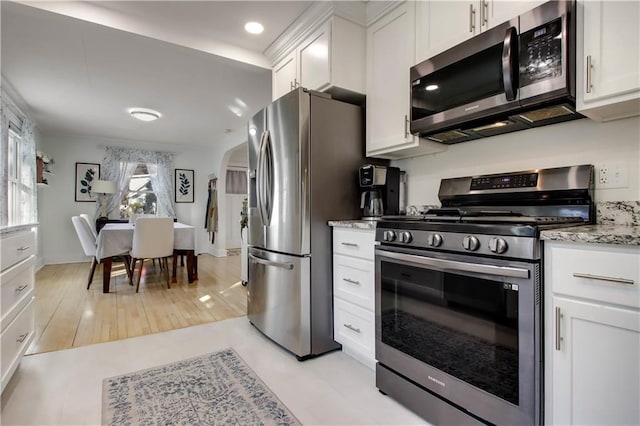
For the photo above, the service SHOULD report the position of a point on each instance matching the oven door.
(465, 328)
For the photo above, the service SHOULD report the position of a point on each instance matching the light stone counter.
(353, 224)
(596, 234)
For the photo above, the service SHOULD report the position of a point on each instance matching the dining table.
(116, 239)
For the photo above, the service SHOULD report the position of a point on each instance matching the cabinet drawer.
(353, 280)
(16, 288)
(354, 242)
(602, 273)
(15, 340)
(353, 327)
(17, 247)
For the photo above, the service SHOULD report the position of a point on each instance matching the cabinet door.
(314, 59)
(284, 76)
(390, 54)
(441, 25)
(611, 55)
(497, 12)
(596, 373)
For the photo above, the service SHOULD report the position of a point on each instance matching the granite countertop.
(628, 235)
(353, 224)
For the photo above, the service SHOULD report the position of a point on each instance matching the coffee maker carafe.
(371, 204)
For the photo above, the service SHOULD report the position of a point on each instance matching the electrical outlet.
(612, 175)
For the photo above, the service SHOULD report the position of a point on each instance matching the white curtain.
(236, 182)
(120, 164)
(4, 145)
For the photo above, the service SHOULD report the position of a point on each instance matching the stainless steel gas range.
(459, 295)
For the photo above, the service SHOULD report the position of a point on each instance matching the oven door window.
(460, 324)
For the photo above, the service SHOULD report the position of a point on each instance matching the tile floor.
(65, 387)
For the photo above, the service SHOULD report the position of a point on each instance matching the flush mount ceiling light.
(253, 27)
(144, 114)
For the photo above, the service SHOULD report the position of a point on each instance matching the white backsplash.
(576, 142)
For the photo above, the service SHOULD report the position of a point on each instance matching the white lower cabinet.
(17, 247)
(592, 329)
(353, 293)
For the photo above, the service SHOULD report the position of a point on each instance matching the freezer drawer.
(278, 301)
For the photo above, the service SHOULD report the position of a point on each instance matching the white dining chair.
(152, 239)
(92, 227)
(88, 243)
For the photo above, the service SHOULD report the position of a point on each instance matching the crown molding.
(317, 14)
(377, 9)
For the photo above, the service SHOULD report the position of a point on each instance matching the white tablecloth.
(116, 239)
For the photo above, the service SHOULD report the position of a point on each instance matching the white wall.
(56, 203)
(576, 142)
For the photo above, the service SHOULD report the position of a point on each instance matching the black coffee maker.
(380, 191)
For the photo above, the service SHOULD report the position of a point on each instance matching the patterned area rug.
(217, 388)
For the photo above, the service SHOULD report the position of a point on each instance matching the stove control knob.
(389, 236)
(471, 243)
(434, 240)
(406, 237)
(498, 245)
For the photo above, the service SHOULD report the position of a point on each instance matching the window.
(20, 178)
(140, 199)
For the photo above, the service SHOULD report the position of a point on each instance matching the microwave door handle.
(509, 64)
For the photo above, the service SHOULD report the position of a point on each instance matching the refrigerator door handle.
(284, 265)
(268, 153)
(260, 179)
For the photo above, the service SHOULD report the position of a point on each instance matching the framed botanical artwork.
(86, 174)
(184, 185)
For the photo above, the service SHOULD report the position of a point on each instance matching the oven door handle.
(454, 265)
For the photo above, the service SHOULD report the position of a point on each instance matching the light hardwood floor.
(68, 315)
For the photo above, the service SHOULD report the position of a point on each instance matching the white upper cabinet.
(390, 54)
(284, 75)
(331, 58)
(608, 70)
(441, 25)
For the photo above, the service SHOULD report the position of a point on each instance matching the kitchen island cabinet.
(592, 329)
(608, 60)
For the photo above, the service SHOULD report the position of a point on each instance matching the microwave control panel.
(541, 53)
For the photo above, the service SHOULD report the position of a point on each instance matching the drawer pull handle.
(352, 328)
(558, 337)
(601, 278)
(349, 280)
(22, 287)
(23, 248)
(349, 244)
(22, 337)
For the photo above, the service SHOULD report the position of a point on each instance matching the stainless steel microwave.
(517, 75)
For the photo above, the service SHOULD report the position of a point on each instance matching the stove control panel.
(516, 247)
(522, 180)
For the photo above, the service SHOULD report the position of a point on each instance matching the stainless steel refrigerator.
(304, 153)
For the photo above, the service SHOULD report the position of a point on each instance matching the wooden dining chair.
(152, 239)
(88, 243)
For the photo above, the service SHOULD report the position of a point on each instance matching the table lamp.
(104, 187)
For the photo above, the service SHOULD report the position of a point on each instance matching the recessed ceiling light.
(253, 27)
(432, 87)
(144, 114)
